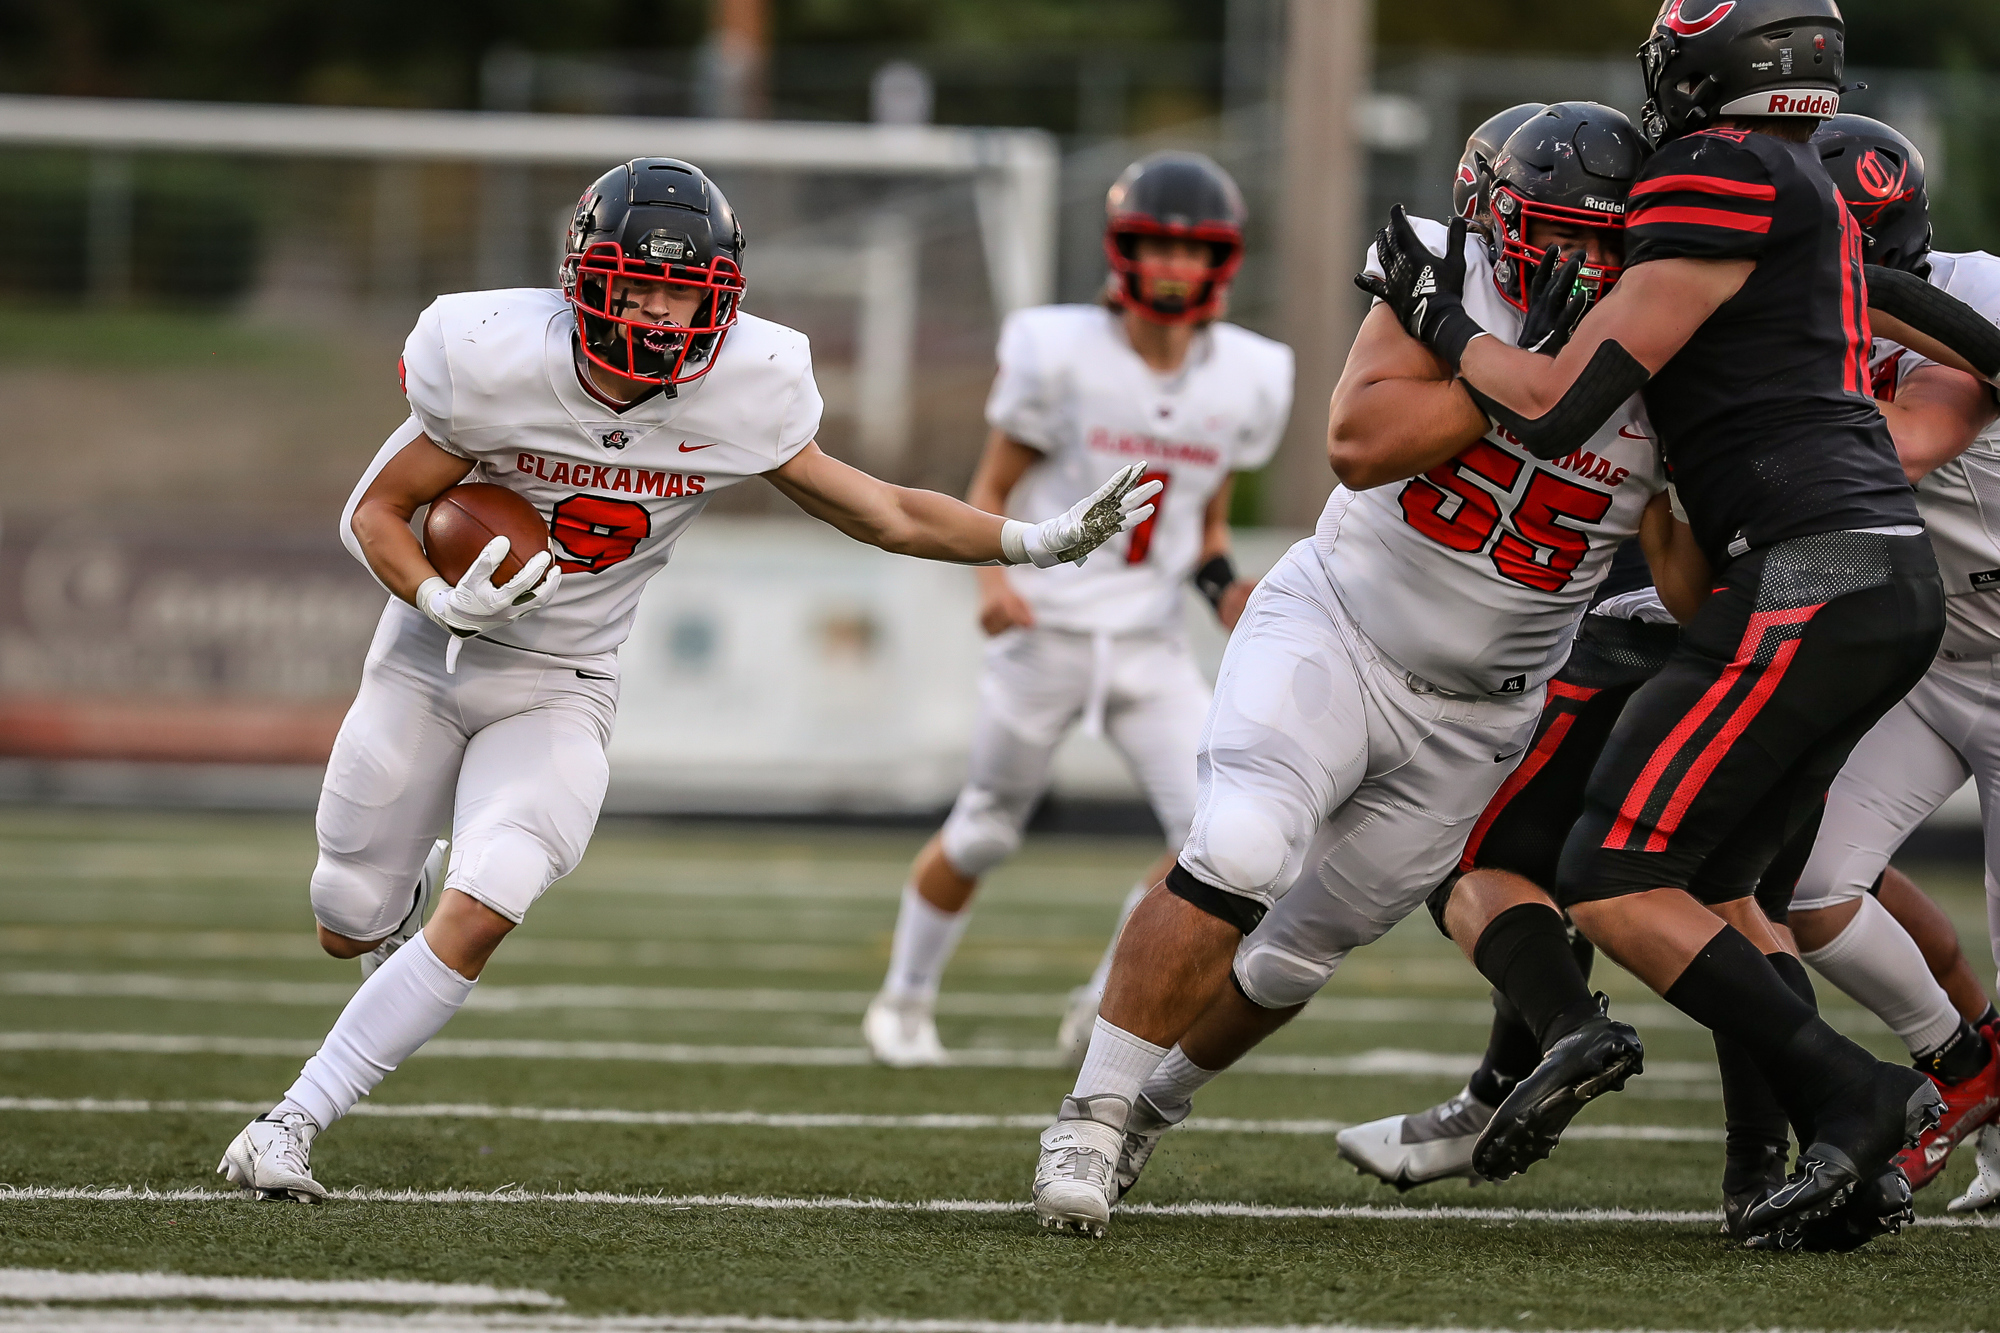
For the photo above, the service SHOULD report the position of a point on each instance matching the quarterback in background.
(1150, 376)
(616, 406)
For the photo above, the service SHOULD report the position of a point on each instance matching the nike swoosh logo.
(1624, 432)
(1503, 758)
(687, 448)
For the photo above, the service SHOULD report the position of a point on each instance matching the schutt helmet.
(1881, 176)
(652, 220)
(1740, 58)
(1573, 164)
(1183, 196)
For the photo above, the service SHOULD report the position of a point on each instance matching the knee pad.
(358, 900)
(1272, 977)
(504, 868)
(983, 829)
(1244, 846)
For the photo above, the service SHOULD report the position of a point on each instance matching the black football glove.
(1426, 291)
(1556, 304)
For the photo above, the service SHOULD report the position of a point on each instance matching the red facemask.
(618, 338)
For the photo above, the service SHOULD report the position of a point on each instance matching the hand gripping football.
(465, 518)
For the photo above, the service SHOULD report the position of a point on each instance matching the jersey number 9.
(596, 533)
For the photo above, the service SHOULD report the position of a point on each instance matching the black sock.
(1525, 953)
(1758, 1132)
(1987, 1019)
(1511, 1054)
(1964, 1055)
(1793, 973)
(1581, 949)
(1733, 989)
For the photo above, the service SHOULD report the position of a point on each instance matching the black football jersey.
(1765, 413)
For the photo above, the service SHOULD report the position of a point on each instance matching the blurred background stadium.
(218, 221)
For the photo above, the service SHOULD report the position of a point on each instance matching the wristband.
(427, 593)
(1213, 579)
(1455, 331)
(1014, 542)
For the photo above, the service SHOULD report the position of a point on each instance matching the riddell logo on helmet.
(1802, 103)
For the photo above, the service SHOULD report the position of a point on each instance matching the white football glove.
(1119, 505)
(476, 604)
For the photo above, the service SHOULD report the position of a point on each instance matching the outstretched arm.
(1396, 412)
(1556, 405)
(936, 527)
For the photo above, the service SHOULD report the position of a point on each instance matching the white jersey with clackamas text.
(1474, 575)
(1960, 501)
(1071, 387)
(491, 376)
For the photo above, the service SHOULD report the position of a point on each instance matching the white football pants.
(1034, 685)
(1945, 730)
(508, 752)
(1334, 787)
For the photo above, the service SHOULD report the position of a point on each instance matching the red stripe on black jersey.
(1701, 197)
(1705, 185)
(1656, 216)
(1854, 303)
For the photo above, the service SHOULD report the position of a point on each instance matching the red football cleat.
(1967, 1107)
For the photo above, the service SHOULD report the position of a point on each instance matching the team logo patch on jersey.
(614, 439)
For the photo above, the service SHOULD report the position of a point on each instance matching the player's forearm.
(931, 526)
(391, 549)
(1680, 570)
(1394, 429)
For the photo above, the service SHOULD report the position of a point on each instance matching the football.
(465, 518)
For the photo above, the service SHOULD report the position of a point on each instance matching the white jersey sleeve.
(425, 369)
(1024, 404)
(1474, 575)
(1960, 500)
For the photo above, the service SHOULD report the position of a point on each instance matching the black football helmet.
(1881, 176)
(1181, 195)
(1475, 165)
(1573, 164)
(1740, 58)
(657, 220)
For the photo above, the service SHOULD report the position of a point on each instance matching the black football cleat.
(1595, 1059)
(1859, 1133)
(1881, 1207)
(1766, 1176)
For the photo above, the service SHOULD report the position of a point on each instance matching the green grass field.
(656, 1106)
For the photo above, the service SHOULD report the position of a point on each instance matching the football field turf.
(655, 1113)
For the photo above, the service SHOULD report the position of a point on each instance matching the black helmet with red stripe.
(1572, 165)
(652, 220)
(1482, 146)
(1881, 176)
(1181, 196)
(1711, 59)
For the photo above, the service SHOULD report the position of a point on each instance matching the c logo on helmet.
(1874, 176)
(1671, 18)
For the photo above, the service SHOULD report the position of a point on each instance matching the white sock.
(924, 942)
(1102, 975)
(1117, 1063)
(408, 1000)
(1875, 961)
(1174, 1084)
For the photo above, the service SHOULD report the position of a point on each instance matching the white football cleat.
(430, 882)
(1984, 1192)
(1078, 1022)
(271, 1159)
(902, 1033)
(1073, 1190)
(1411, 1150)
(1145, 1125)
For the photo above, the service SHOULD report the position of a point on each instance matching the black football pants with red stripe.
(1726, 753)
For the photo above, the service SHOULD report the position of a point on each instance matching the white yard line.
(47, 1284)
(764, 999)
(769, 1119)
(1381, 1062)
(441, 1321)
(841, 1203)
